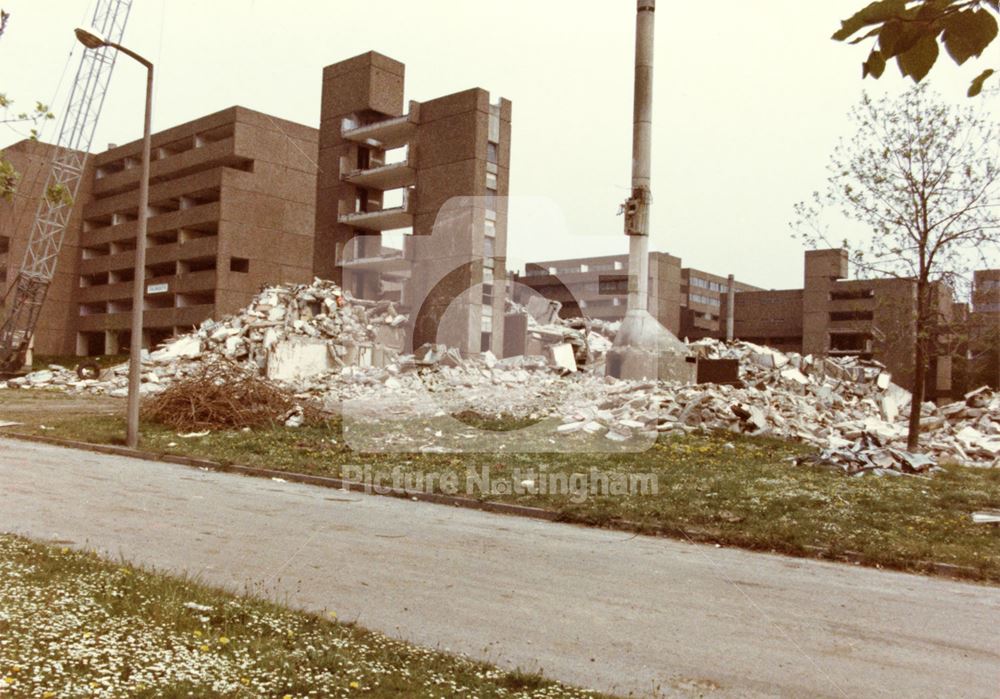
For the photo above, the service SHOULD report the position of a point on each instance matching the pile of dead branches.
(224, 395)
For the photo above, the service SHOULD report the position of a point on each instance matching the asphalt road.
(596, 608)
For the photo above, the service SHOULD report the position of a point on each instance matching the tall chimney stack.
(643, 348)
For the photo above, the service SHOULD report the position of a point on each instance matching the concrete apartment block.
(686, 301)
(834, 316)
(32, 159)
(978, 334)
(438, 172)
(231, 207)
(703, 297)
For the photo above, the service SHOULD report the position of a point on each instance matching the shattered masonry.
(323, 344)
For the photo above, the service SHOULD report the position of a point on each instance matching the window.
(849, 342)
(239, 264)
(491, 152)
(491, 229)
(491, 180)
(853, 294)
(851, 315)
(488, 247)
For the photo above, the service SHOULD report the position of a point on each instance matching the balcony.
(388, 261)
(388, 134)
(157, 317)
(383, 219)
(225, 153)
(391, 176)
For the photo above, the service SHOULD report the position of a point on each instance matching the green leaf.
(867, 35)
(874, 13)
(874, 66)
(968, 33)
(918, 61)
(977, 84)
(898, 37)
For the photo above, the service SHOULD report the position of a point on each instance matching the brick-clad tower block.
(440, 172)
(356, 92)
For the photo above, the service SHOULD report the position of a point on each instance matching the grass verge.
(722, 488)
(72, 624)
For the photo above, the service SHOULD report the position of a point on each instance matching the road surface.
(596, 608)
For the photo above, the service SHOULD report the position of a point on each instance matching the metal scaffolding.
(24, 298)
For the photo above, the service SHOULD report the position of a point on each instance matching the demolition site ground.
(719, 487)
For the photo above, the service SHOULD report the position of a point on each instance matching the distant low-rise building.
(686, 301)
(835, 316)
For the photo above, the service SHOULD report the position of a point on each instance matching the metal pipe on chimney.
(637, 207)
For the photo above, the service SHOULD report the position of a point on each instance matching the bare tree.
(923, 178)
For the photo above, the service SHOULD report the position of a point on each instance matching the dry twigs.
(224, 395)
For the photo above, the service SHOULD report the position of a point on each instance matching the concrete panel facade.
(231, 208)
(32, 159)
(439, 173)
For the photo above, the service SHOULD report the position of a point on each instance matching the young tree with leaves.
(924, 178)
(910, 30)
(8, 174)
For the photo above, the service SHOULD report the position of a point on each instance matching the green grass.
(72, 624)
(723, 488)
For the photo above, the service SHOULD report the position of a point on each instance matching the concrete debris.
(326, 348)
(986, 517)
(868, 454)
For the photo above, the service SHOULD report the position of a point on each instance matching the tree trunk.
(919, 367)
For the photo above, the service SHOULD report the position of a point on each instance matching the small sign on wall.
(157, 288)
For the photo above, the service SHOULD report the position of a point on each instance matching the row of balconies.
(122, 287)
(210, 149)
(119, 317)
(123, 256)
(176, 227)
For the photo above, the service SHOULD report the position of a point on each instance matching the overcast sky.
(750, 98)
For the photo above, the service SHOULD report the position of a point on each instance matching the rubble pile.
(321, 345)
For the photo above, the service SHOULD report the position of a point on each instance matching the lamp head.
(90, 38)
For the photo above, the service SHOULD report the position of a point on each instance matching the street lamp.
(93, 40)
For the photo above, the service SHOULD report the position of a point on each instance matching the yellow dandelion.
(332, 614)
(197, 633)
(354, 685)
(48, 695)
(64, 549)
(8, 680)
(223, 641)
(87, 634)
(245, 680)
(204, 647)
(93, 685)
(287, 696)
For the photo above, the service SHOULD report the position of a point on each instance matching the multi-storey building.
(231, 208)
(978, 334)
(55, 332)
(834, 316)
(240, 199)
(439, 172)
(686, 301)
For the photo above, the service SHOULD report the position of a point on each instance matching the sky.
(750, 98)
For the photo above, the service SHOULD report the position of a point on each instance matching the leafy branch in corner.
(911, 30)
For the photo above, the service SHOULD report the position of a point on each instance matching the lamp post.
(93, 40)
